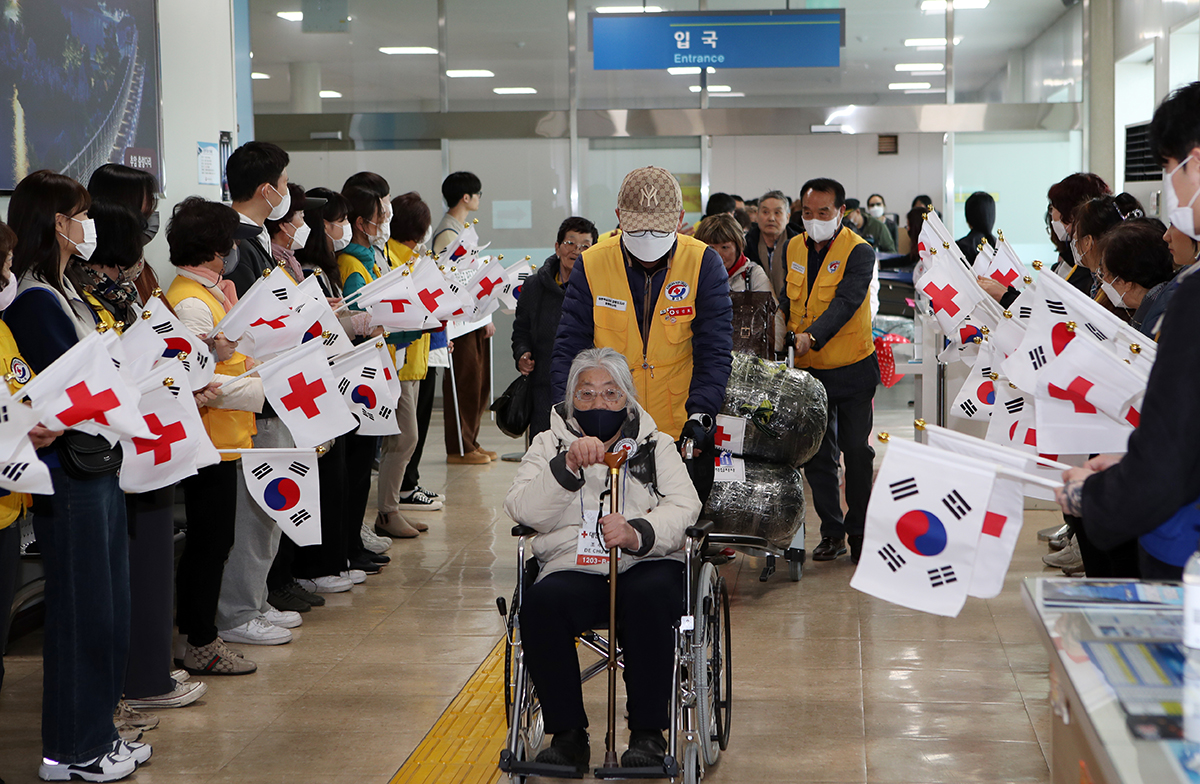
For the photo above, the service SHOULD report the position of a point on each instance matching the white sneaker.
(140, 752)
(372, 541)
(257, 631)
(355, 576)
(107, 767)
(327, 584)
(184, 693)
(284, 619)
(180, 676)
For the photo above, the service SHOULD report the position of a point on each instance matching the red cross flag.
(304, 395)
(951, 290)
(284, 483)
(923, 526)
(362, 381)
(158, 334)
(397, 307)
(434, 292)
(1003, 517)
(21, 470)
(463, 253)
(1084, 400)
(81, 390)
(730, 434)
(179, 444)
(263, 321)
(487, 286)
(1004, 267)
(978, 393)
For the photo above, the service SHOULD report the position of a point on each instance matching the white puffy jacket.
(657, 497)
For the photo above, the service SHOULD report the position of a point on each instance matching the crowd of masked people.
(73, 264)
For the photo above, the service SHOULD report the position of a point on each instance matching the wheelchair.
(701, 702)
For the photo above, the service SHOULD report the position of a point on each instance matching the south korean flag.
(364, 382)
(284, 483)
(924, 521)
(21, 470)
(159, 334)
(978, 393)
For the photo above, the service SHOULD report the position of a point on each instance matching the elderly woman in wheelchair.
(560, 492)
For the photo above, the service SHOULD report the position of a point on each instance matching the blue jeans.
(85, 551)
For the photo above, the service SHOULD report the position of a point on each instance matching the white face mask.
(300, 237)
(819, 230)
(1060, 230)
(341, 240)
(9, 292)
(1114, 296)
(385, 230)
(876, 211)
(1075, 254)
(282, 208)
(1179, 216)
(644, 246)
(87, 247)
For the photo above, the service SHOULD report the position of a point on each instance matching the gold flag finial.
(1071, 326)
(1027, 280)
(977, 340)
(919, 424)
(326, 335)
(267, 272)
(1007, 314)
(146, 314)
(1000, 234)
(945, 245)
(1135, 348)
(985, 330)
(994, 376)
(168, 381)
(1037, 265)
(322, 449)
(182, 356)
(157, 292)
(883, 437)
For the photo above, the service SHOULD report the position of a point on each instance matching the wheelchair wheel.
(691, 764)
(522, 707)
(710, 667)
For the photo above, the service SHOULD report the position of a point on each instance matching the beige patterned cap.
(650, 199)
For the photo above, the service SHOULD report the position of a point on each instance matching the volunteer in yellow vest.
(200, 235)
(827, 314)
(661, 300)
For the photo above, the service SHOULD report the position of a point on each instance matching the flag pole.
(320, 450)
(920, 424)
(1000, 470)
(457, 407)
(271, 361)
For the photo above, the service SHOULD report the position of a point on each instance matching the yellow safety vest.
(102, 313)
(662, 370)
(416, 356)
(228, 429)
(12, 504)
(854, 341)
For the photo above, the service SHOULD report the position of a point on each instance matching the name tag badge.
(674, 313)
(609, 302)
(590, 549)
(798, 267)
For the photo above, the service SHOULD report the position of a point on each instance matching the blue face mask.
(600, 422)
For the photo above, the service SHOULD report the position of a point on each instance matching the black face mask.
(600, 422)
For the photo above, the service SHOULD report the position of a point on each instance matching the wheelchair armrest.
(701, 529)
(522, 530)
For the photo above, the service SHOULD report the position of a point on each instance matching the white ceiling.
(524, 42)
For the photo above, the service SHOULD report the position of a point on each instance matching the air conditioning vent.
(1140, 165)
(889, 144)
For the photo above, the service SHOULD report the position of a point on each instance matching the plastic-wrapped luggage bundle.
(770, 503)
(784, 409)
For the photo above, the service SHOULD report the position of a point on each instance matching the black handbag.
(514, 408)
(84, 456)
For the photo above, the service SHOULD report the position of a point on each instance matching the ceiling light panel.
(628, 9)
(408, 50)
(330, 94)
(919, 67)
(514, 91)
(712, 88)
(693, 70)
(909, 86)
(259, 75)
(470, 74)
(291, 16)
(939, 6)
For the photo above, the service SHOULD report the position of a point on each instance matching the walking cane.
(613, 460)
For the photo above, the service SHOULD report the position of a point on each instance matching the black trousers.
(151, 518)
(210, 498)
(10, 566)
(425, 392)
(328, 557)
(360, 457)
(849, 429)
(1121, 561)
(564, 604)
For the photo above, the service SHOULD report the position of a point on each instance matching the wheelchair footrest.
(669, 769)
(522, 768)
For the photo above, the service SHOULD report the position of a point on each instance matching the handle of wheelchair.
(522, 530)
(701, 529)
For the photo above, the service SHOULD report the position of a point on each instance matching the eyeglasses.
(581, 246)
(650, 233)
(610, 395)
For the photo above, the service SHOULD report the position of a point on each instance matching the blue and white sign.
(721, 39)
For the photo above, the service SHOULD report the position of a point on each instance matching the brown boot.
(490, 454)
(394, 525)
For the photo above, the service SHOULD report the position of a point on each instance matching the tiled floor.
(829, 685)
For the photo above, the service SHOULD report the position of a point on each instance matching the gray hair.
(609, 361)
(780, 195)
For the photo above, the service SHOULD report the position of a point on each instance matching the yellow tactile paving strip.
(465, 742)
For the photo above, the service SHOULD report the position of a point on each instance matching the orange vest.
(228, 429)
(662, 368)
(12, 505)
(854, 340)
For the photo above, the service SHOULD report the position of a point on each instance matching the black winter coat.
(539, 309)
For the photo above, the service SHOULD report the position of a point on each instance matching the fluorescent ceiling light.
(693, 70)
(628, 9)
(926, 73)
(925, 92)
(330, 94)
(408, 50)
(712, 88)
(514, 91)
(909, 86)
(470, 74)
(939, 6)
(938, 43)
(729, 95)
(919, 67)
(291, 16)
(258, 75)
